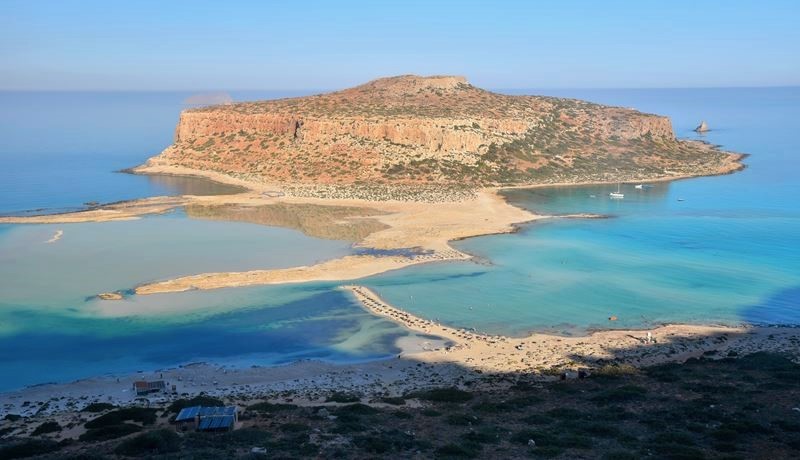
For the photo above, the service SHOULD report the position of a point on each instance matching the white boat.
(639, 186)
(617, 195)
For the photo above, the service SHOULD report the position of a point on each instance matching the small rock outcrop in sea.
(110, 296)
(702, 127)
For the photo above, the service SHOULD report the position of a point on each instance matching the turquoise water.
(718, 249)
(59, 150)
(53, 329)
(113, 256)
(728, 252)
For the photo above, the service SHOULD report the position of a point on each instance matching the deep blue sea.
(710, 250)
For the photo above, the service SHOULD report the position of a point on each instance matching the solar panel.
(188, 413)
(211, 418)
(215, 422)
(204, 423)
(211, 411)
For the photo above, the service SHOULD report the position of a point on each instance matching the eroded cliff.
(433, 130)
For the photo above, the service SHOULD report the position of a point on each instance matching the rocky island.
(394, 133)
(408, 164)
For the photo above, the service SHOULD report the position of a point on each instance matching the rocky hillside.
(433, 130)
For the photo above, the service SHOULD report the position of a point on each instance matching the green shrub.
(270, 407)
(199, 400)
(678, 452)
(615, 371)
(134, 414)
(483, 435)
(620, 455)
(293, 427)
(109, 432)
(98, 407)
(395, 401)
(150, 443)
(356, 409)
(451, 395)
(456, 451)
(28, 448)
(620, 394)
(340, 397)
(47, 427)
(462, 419)
(246, 437)
(675, 437)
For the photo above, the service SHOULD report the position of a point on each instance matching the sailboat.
(617, 195)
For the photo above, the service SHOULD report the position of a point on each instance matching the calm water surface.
(710, 250)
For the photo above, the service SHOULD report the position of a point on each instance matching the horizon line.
(520, 88)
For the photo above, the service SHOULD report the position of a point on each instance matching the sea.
(712, 250)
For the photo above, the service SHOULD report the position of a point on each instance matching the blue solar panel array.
(189, 413)
(216, 422)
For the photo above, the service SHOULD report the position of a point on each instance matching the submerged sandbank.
(430, 355)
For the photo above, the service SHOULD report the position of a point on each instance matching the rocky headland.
(439, 131)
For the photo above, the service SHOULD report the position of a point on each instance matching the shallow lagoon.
(53, 329)
(706, 250)
(729, 252)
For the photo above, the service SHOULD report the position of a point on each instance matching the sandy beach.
(427, 228)
(423, 227)
(431, 355)
(537, 352)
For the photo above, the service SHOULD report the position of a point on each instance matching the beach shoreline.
(457, 354)
(428, 226)
(430, 355)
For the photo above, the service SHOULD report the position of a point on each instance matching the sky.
(310, 44)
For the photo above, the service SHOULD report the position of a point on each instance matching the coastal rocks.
(110, 296)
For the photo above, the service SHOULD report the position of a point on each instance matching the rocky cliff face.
(412, 130)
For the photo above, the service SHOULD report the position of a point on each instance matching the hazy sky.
(198, 45)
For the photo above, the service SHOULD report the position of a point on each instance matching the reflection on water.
(190, 185)
(91, 258)
(345, 223)
(593, 199)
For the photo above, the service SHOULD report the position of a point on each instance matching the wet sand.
(431, 355)
(425, 228)
(536, 352)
